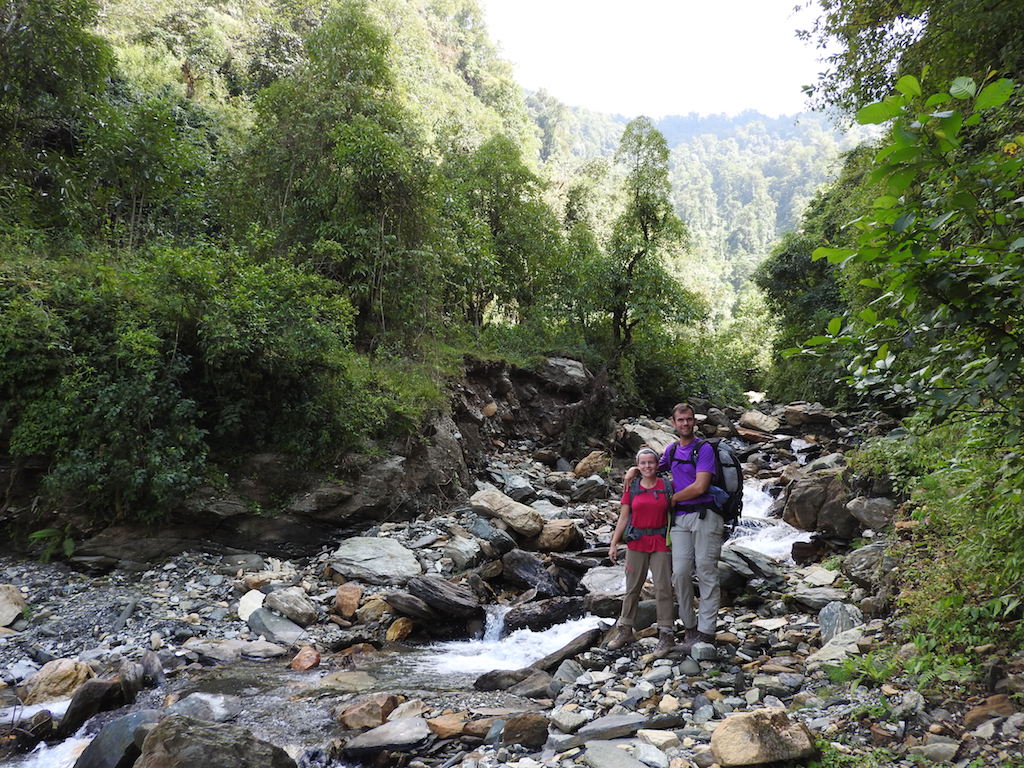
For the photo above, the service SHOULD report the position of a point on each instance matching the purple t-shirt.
(684, 472)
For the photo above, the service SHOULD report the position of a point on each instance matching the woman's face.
(648, 464)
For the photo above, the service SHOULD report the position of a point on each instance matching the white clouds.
(659, 57)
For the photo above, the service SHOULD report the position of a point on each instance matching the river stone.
(570, 720)
(402, 735)
(875, 514)
(180, 742)
(114, 746)
(443, 596)
(519, 517)
(528, 571)
(293, 603)
(346, 600)
(808, 415)
(637, 436)
(12, 604)
(837, 650)
(564, 374)
(649, 755)
(663, 740)
(262, 649)
(249, 602)
(399, 629)
(761, 736)
(501, 679)
(543, 614)
(412, 606)
(306, 659)
(275, 628)
(518, 488)
(559, 535)
(535, 686)
(869, 566)
(838, 617)
(348, 681)
(497, 538)
(594, 463)
(463, 551)
(817, 576)
(605, 580)
(529, 729)
(211, 707)
(90, 698)
(589, 489)
(56, 679)
(213, 650)
(447, 726)
(760, 421)
(816, 598)
(369, 712)
(603, 728)
(603, 754)
(375, 560)
(817, 502)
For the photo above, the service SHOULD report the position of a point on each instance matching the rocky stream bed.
(471, 636)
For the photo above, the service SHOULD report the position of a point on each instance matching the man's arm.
(697, 488)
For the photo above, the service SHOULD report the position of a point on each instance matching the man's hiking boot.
(704, 637)
(666, 644)
(620, 635)
(690, 637)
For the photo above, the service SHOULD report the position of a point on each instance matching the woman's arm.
(620, 528)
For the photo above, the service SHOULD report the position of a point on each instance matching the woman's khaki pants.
(637, 565)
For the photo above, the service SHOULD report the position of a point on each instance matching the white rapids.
(774, 538)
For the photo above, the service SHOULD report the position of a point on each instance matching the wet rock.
(519, 517)
(603, 728)
(210, 707)
(593, 463)
(375, 560)
(601, 754)
(529, 729)
(346, 600)
(403, 735)
(869, 566)
(262, 649)
(294, 604)
(518, 488)
(306, 659)
(559, 535)
(444, 597)
(369, 712)
(400, 629)
(535, 686)
(543, 614)
(501, 679)
(275, 628)
(12, 604)
(527, 570)
(838, 617)
(180, 742)
(90, 698)
(114, 746)
(573, 648)
(412, 606)
(875, 514)
(761, 736)
(56, 680)
(347, 681)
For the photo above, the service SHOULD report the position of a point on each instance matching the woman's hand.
(613, 551)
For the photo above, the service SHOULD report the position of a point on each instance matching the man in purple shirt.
(698, 532)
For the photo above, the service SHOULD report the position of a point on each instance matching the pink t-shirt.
(650, 510)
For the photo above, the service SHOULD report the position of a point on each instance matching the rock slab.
(375, 560)
(762, 736)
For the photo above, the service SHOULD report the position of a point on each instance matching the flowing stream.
(769, 536)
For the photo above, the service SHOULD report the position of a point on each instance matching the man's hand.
(632, 472)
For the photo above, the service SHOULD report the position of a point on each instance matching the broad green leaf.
(963, 88)
(835, 325)
(936, 99)
(938, 221)
(904, 154)
(834, 255)
(900, 180)
(904, 221)
(868, 315)
(879, 112)
(817, 341)
(1017, 244)
(870, 282)
(994, 94)
(884, 152)
(69, 547)
(951, 125)
(885, 201)
(45, 533)
(974, 119)
(909, 86)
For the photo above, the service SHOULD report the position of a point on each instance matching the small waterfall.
(771, 537)
(798, 446)
(495, 622)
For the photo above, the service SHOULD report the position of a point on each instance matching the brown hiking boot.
(690, 636)
(620, 635)
(704, 637)
(666, 644)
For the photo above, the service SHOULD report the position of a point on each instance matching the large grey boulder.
(564, 374)
(816, 598)
(180, 742)
(444, 597)
(762, 736)
(212, 707)
(603, 754)
(812, 415)
(870, 566)
(12, 604)
(402, 735)
(114, 746)
(375, 561)
(274, 627)
(527, 570)
(817, 502)
(637, 436)
(838, 617)
(875, 513)
(759, 421)
(519, 517)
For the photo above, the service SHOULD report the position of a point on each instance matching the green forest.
(283, 224)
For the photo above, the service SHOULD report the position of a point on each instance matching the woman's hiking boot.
(666, 644)
(620, 635)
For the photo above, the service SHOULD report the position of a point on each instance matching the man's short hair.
(682, 408)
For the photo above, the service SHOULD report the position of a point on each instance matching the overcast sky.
(659, 57)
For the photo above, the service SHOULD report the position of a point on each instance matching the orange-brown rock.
(478, 727)
(369, 712)
(56, 679)
(558, 535)
(346, 600)
(357, 650)
(372, 610)
(489, 409)
(994, 705)
(594, 463)
(448, 726)
(399, 629)
(306, 659)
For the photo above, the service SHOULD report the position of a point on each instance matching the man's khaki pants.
(696, 545)
(660, 565)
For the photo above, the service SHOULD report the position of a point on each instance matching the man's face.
(684, 422)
